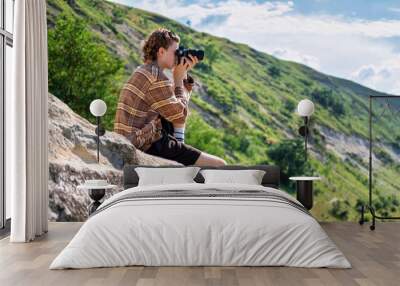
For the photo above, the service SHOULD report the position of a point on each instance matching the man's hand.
(179, 72)
(181, 69)
(193, 61)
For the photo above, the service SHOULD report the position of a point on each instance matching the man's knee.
(210, 160)
(220, 162)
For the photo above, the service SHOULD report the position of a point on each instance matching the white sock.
(179, 134)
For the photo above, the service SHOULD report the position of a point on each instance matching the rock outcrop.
(73, 159)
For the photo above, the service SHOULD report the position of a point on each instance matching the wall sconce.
(98, 108)
(305, 108)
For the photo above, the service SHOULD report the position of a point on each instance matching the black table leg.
(96, 195)
(305, 193)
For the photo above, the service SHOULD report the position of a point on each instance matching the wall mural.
(242, 109)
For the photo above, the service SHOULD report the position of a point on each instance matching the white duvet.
(205, 231)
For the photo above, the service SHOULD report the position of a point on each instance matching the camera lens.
(182, 52)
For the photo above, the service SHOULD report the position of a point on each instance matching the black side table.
(96, 193)
(304, 190)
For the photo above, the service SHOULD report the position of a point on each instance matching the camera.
(182, 52)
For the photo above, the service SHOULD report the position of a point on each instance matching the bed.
(201, 224)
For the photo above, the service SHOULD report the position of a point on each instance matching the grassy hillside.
(244, 107)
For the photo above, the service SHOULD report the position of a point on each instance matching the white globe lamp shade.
(305, 107)
(98, 107)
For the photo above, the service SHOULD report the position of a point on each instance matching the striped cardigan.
(147, 96)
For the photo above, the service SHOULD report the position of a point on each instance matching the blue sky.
(353, 39)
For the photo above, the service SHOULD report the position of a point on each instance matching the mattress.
(201, 225)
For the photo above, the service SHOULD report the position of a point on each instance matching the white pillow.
(249, 177)
(163, 176)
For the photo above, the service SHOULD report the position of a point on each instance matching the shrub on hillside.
(339, 209)
(274, 71)
(288, 154)
(329, 100)
(81, 69)
(202, 136)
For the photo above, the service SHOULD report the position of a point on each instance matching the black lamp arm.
(100, 131)
(304, 131)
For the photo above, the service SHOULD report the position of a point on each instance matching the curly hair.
(159, 38)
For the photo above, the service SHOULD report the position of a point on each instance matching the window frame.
(6, 39)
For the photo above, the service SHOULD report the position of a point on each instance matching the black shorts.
(169, 148)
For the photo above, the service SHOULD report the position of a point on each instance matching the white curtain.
(27, 124)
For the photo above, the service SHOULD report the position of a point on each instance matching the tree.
(339, 209)
(288, 154)
(118, 15)
(202, 136)
(290, 105)
(80, 68)
(327, 98)
(274, 71)
(211, 53)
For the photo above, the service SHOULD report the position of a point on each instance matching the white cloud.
(270, 18)
(394, 9)
(380, 76)
(332, 44)
(292, 55)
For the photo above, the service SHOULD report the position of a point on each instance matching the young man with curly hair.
(152, 109)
